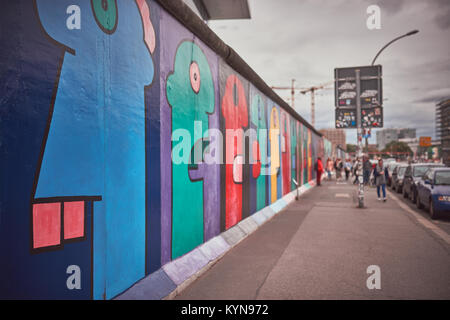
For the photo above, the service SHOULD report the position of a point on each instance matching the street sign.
(345, 118)
(370, 118)
(425, 141)
(358, 99)
(366, 134)
(370, 98)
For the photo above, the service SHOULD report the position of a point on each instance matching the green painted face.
(190, 88)
(105, 13)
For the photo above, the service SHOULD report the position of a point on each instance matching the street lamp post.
(376, 56)
(390, 42)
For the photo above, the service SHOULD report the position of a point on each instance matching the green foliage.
(351, 148)
(397, 146)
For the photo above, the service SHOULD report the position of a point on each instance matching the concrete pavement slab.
(329, 255)
(153, 287)
(184, 267)
(233, 235)
(214, 248)
(259, 217)
(248, 225)
(278, 205)
(321, 248)
(268, 212)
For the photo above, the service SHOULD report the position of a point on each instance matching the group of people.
(348, 167)
(338, 166)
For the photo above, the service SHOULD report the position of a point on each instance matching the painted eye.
(194, 74)
(105, 13)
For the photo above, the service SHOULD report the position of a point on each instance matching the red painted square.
(46, 224)
(73, 219)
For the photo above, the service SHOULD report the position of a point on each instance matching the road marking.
(427, 224)
(342, 195)
(341, 188)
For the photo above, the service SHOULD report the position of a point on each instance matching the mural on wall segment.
(294, 153)
(259, 150)
(111, 146)
(235, 120)
(86, 164)
(285, 152)
(300, 154)
(274, 147)
(305, 154)
(200, 100)
(190, 93)
(310, 159)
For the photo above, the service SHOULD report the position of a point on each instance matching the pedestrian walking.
(319, 170)
(381, 174)
(367, 168)
(338, 167)
(347, 168)
(329, 168)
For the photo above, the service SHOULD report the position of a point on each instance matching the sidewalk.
(320, 247)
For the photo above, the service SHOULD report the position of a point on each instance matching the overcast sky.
(306, 39)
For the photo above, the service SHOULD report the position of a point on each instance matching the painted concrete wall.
(89, 121)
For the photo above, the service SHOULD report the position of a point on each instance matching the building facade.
(388, 135)
(336, 136)
(443, 128)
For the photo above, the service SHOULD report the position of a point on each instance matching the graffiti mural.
(285, 152)
(125, 144)
(235, 121)
(190, 92)
(259, 150)
(294, 153)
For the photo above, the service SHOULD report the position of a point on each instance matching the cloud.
(442, 8)
(435, 96)
(305, 40)
(391, 6)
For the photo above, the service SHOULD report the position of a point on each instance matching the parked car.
(433, 192)
(391, 166)
(397, 177)
(413, 174)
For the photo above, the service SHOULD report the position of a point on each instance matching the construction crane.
(313, 89)
(304, 91)
(292, 88)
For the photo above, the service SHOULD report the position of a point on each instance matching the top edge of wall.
(195, 24)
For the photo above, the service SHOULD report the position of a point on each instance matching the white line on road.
(342, 195)
(427, 224)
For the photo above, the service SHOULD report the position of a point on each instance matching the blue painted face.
(96, 139)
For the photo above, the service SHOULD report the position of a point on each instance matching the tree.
(397, 146)
(351, 148)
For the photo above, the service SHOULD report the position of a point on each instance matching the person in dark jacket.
(381, 175)
(367, 168)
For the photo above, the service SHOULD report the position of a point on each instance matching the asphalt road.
(321, 246)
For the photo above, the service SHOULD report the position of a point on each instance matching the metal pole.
(359, 135)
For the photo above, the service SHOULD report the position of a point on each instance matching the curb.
(172, 278)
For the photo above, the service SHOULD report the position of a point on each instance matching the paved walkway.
(320, 248)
